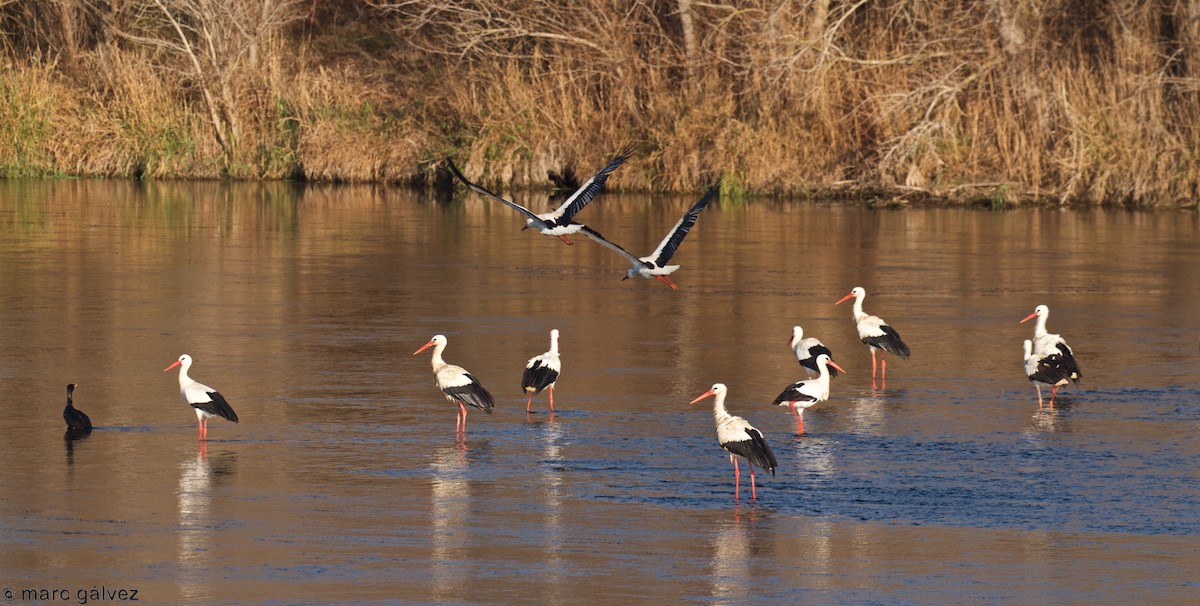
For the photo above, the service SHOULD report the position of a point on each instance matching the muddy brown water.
(344, 481)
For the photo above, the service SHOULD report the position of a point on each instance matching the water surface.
(344, 480)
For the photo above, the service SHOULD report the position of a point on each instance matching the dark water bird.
(1048, 359)
(876, 333)
(206, 401)
(654, 265)
(558, 223)
(808, 392)
(460, 386)
(76, 419)
(740, 438)
(541, 372)
(807, 349)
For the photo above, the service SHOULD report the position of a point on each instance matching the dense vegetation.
(1000, 100)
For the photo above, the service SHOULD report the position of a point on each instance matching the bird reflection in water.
(70, 438)
(1052, 420)
(197, 477)
(451, 491)
(814, 462)
(868, 414)
(730, 562)
(736, 544)
(549, 439)
(816, 549)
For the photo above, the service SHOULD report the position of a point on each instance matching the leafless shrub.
(221, 48)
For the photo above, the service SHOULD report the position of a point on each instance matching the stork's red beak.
(1028, 318)
(843, 299)
(423, 348)
(839, 368)
(173, 365)
(702, 396)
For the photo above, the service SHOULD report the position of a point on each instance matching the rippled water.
(344, 480)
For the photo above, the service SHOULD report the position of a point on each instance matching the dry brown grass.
(29, 102)
(1004, 101)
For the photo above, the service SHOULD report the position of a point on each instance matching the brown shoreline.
(997, 104)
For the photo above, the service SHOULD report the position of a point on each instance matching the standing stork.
(740, 438)
(1051, 359)
(556, 223)
(75, 418)
(809, 392)
(654, 265)
(459, 385)
(206, 401)
(875, 333)
(807, 349)
(542, 372)
(1040, 373)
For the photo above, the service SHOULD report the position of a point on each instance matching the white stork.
(541, 372)
(740, 438)
(1039, 374)
(1049, 360)
(875, 332)
(655, 265)
(807, 349)
(459, 385)
(206, 401)
(76, 420)
(558, 222)
(807, 393)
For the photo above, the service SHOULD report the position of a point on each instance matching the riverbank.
(997, 105)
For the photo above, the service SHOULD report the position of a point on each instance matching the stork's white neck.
(554, 342)
(184, 379)
(859, 314)
(1039, 328)
(437, 360)
(797, 335)
(823, 379)
(719, 412)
